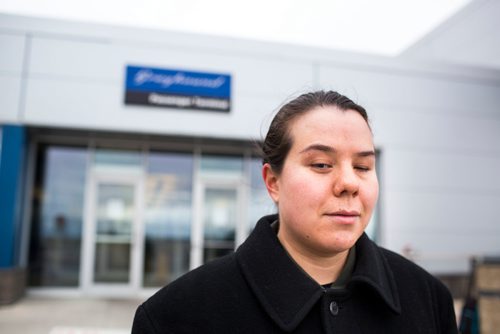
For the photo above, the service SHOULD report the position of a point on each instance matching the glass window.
(167, 217)
(261, 203)
(57, 216)
(115, 216)
(221, 166)
(113, 158)
(219, 221)
(373, 228)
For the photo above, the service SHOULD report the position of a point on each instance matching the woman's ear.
(271, 182)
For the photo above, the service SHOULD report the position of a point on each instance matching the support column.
(12, 152)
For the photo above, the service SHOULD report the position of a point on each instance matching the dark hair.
(278, 142)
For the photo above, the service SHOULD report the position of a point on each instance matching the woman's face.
(328, 186)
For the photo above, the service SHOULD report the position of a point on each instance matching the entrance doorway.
(219, 226)
(113, 236)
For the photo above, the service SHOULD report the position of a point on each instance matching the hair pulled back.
(278, 142)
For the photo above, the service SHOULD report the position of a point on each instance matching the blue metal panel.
(12, 147)
(179, 89)
(178, 82)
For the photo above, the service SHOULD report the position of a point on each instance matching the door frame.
(197, 228)
(121, 177)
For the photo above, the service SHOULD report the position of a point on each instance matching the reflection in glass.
(56, 229)
(167, 217)
(221, 166)
(261, 203)
(113, 157)
(219, 222)
(112, 262)
(210, 254)
(372, 230)
(115, 216)
(115, 209)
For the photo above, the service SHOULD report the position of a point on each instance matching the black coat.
(260, 289)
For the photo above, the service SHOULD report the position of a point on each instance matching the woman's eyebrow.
(319, 147)
(366, 154)
(329, 149)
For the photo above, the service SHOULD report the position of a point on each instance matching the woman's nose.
(346, 182)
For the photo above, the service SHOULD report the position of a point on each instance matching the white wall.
(439, 135)
(438, 127)
(469, 37)
(11, 64)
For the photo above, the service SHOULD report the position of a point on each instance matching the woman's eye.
(362, 168)
(321, 166)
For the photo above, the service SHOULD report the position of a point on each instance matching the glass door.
(220, 208)
(218, 227)
(114, 218)
(112, 233)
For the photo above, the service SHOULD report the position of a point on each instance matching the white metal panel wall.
(80, 83)
(438, 128)
(468, 37)
(439, 138)
(11, 63)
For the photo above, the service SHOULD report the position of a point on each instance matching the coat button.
(334, 308)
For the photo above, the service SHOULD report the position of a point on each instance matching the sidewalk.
(44, 315)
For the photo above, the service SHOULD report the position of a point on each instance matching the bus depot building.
(129, 156)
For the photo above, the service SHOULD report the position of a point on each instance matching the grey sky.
(384, 27)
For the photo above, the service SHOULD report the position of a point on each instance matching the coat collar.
(272, 274)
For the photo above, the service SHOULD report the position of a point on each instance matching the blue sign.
(177, 89)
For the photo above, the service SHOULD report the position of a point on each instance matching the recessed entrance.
(113, 231)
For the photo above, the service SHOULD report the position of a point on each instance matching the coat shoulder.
(407, 271)
(193, 293)
(416, 284)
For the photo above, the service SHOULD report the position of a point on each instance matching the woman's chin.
(340, 242)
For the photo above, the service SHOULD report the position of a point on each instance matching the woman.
(310, 268)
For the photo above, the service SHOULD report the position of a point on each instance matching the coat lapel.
(373, 269)
(283, 290)
(286, 293)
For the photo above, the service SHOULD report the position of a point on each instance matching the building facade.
(112, 186)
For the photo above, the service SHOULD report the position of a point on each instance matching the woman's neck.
(324, 269)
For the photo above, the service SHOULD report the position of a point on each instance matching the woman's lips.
(344, 216)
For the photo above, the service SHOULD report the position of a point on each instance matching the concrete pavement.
(75, 315)
(72, 315)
